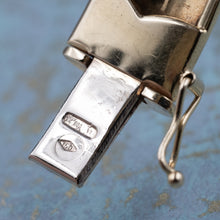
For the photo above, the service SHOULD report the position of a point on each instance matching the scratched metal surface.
(127, 183)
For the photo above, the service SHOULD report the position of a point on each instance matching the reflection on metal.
(79, 125)
(159, 46)
(131, 51)
(189, 11)
(105, 97)
(67, 145)
(79, 58)
(179, 121)
(157, 101)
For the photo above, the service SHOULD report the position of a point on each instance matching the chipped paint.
(131, 195)
(213, 206)
(71, 192)
(3, 203)
(148, 169)
(8, 183)
(3, 194)
(36, 196)
(106, 217)
(107, 203)
(39, 88)
(37, 181)
(21, 162)
(163, 200)
(210, 138)
(35, 214)
(54, 211)
(203, 154)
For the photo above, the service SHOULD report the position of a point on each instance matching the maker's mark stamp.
(79, 125)
(69, 147)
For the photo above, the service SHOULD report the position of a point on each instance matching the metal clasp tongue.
(187, 81)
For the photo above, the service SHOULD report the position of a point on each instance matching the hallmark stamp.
(69, 147)
(79, 125)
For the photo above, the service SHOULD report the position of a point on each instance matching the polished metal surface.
(187, 81)
(157, 102)
(79, 58)
(150, 40)
(188, 11)
(153, 48)
(93, 114)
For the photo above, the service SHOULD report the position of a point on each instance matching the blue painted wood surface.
(128, 182)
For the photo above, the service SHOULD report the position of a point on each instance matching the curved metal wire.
(177, 126)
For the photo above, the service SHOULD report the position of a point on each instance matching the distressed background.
(127, 183)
